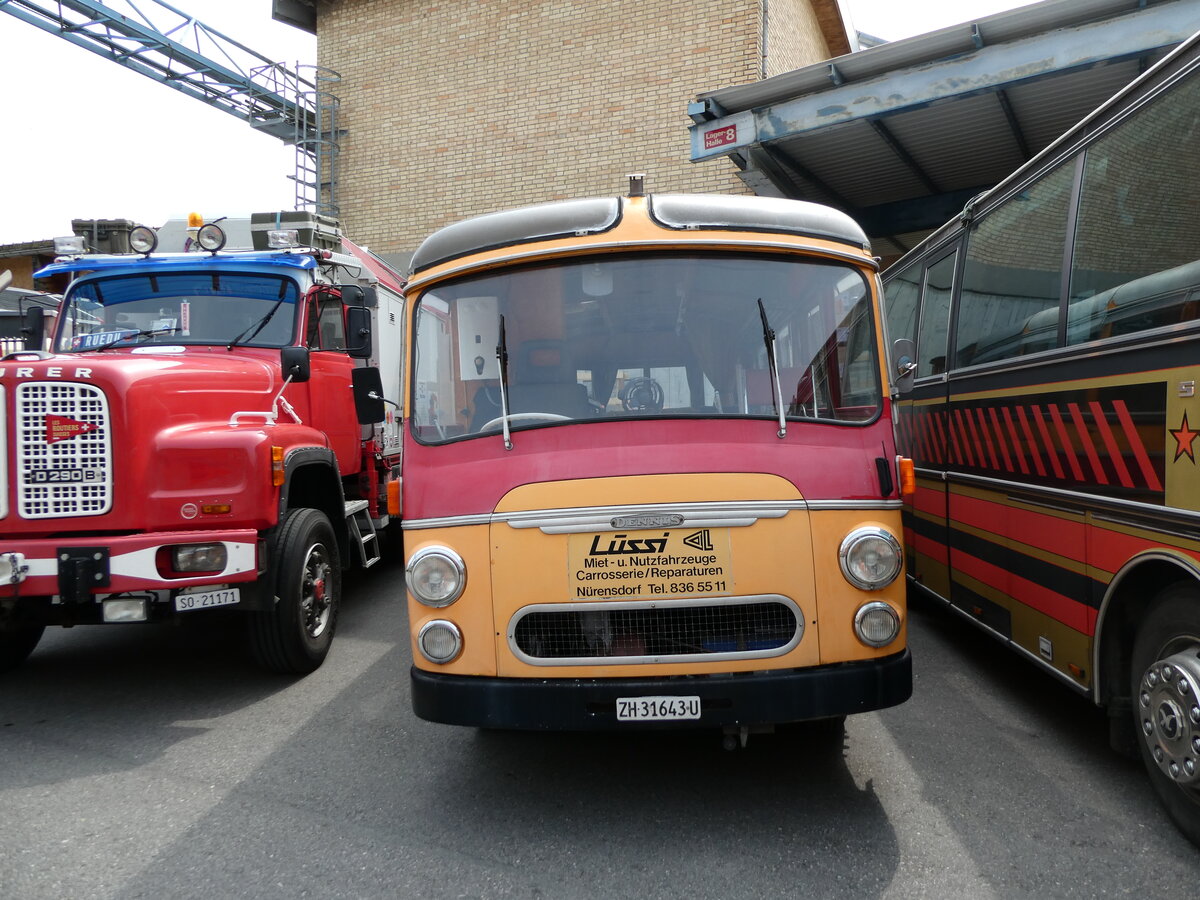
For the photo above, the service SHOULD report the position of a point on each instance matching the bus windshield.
(646, 335)
(179, 308)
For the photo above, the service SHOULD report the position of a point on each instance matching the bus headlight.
(876, 624)
(439, 641)
(870, 558)
(436, 576)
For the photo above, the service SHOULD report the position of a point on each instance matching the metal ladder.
(362, 531)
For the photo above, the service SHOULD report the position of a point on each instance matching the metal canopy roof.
(901, 135)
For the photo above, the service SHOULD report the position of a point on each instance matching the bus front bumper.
(744, 698)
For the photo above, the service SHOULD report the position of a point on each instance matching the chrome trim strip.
(734, 242)
(1081, 501)
(714, 514)
(681, 602)
(854, 504)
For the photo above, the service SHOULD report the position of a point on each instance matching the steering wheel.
(642, 395)
(524, 417)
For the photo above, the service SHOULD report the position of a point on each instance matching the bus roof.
(571, 218)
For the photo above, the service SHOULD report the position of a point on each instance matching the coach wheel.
(1166, 703)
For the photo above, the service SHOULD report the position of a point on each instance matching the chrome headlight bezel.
(420, 567)
(859, 542)
(876, 606)
(447, 626)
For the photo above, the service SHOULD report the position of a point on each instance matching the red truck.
(209, 430)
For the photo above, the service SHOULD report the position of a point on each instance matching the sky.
(87, 138)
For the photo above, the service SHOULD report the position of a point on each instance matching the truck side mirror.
(904, 353)
(34, 328)
(358, 295)
(367, 386)
(358, 332)
(294, 361)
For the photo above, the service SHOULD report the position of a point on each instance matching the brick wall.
(794, 37)
(454, 108)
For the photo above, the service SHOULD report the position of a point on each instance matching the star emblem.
(1184, 436)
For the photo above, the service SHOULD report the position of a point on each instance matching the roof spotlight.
(143, 239)
(211, 237)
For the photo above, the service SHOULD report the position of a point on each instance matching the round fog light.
(876, 624)
(440, 641)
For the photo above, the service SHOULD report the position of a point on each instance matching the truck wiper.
(252, 332)
(502, 358)
(777, 389)
(130, 335)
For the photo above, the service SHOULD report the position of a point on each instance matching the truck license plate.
(207, 599)
(657, 709)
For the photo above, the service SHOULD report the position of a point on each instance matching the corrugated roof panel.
(854, 161)
(984, 148)
(1047, 108)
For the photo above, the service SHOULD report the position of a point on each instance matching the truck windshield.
(645, 335)
(179, 308)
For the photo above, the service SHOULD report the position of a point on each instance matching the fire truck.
(209, 430)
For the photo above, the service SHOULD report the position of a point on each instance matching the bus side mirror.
(294, 361)
(358, 332)
(367, 386)
(904, 353)
(33, 330)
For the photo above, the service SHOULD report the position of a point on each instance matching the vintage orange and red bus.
(649, 472)
(1055, 345)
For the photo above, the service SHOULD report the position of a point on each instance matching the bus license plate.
(207, 599)
(657, 709)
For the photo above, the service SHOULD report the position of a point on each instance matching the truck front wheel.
(294, 637)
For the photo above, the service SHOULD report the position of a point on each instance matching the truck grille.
(649, 631)
(63, 450)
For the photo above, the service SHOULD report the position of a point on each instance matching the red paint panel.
(824, 462)
(1000, 438)
(1064, 436)
(1108, 550)
(1034, 529)
(1139, 448)
(930, 501)
(1070, 612)
(935, 550)
(1110, 444)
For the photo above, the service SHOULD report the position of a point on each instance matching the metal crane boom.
(173, 48)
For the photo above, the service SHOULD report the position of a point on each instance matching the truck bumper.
(751, 698)
(75, 570)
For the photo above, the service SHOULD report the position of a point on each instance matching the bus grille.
(650, 631)
(63, 450)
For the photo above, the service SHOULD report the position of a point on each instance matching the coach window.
(1012, 278)
(901, 296)
(935, 317)
(1138, 238)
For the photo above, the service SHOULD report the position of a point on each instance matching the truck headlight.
(439, 641)
(192, 559)
(436, 576)
(870, 558)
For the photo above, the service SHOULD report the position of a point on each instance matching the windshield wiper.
(777, 389)
(130, 335)
(252, 332)
(502, 358)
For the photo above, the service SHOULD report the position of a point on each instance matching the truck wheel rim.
(316, 602)
(1168, 705)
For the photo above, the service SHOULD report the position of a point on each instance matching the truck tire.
(294, 637)
(16, 643)
(1166, 702)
